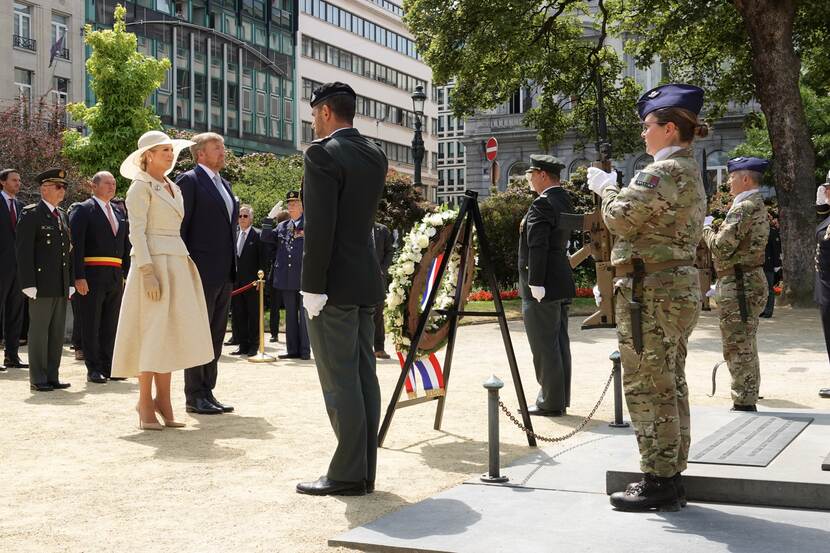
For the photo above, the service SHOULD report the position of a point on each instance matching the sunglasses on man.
(243, 216)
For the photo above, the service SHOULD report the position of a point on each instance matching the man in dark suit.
(245, 306)
(288, 265)
(772, 266)
(100, 235)
(12, 299)
(546, 285)
(341, 285)
(384, 250)
(209, 231)
(44, 268)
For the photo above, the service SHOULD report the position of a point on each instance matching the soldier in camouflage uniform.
(657, 221)
(741, 291)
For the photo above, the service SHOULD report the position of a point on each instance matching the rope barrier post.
(261, 356)
(618, 408)
(493, 385)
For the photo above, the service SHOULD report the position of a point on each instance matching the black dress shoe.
(324, 486)
(370, 486)
(116, 378)
(96, 378)
(60, 385)
(240, 351)
(202, 406)
(40, 387)
(305, 357)
(15, 363)
(222, 406)
(252, 352)
(824, 392)
(747, 408)
(289, 356)
(232, 343)
(539, 412)
(273, 339)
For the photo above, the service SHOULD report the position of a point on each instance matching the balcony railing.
(25, 43)
(64, 53)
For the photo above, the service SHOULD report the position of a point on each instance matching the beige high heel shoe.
(169, 423)
(147, 425)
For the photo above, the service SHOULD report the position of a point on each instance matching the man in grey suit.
(341, 285)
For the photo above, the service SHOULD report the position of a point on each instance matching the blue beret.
(675, 95)
(331, 89)
(747, 164)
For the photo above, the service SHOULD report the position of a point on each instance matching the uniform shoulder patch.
(734, 216)
(646, 180)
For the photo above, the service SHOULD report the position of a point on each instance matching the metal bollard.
(261, 357)
(618, 399)
(493, 385)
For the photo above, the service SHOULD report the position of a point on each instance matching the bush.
(502, 213)
(401, 205)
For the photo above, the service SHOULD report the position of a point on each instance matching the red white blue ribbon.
(431, 278)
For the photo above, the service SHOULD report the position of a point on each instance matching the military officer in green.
(657, 221)
(44, 268)
(546, 285)
(741, 291)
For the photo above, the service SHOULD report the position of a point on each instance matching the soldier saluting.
(658, 223)
(738, 249)
(44, 268)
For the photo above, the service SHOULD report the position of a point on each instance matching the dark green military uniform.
(44, 262)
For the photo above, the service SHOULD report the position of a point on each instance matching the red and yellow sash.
(102, 261)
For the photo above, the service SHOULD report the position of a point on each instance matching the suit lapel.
(823, 225)
(175, 201)
(210, 187)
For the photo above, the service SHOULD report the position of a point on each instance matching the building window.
(308, 132)
(23, 81)
(23, 27)
(60, 92)
(60, 29)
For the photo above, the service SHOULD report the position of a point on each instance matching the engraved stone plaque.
(749, 440)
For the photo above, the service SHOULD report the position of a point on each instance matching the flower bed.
(486, 295)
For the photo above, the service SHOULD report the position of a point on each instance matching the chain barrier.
(570, 434)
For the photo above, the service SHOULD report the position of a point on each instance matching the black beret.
(542, 162)
(52, 175)
(674, 95)
(331, 89)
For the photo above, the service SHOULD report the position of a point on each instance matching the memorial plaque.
(749, 440)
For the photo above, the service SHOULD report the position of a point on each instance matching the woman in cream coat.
(163, 324)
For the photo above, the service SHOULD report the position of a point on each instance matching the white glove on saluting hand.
(821, 196)
(275, 210)
(707, 222)
(599, 179)
(314, 303)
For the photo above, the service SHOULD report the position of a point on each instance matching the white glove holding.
(599, 179)
(71, 291)
(776, 269)
(821, 196)
(275, 210)
(314, 303)
(31, 292)
(711, 291)
(597, 295)
(707, 221)
(538, 292)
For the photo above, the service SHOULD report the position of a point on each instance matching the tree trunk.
(776, 71)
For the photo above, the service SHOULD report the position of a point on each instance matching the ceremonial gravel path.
(77, 475)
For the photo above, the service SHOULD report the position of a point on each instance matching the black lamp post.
(419, 97)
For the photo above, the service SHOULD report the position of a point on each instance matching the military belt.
(627, 269)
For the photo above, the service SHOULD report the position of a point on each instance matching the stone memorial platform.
(556, 498)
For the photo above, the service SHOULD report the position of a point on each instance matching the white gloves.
(707, 221)
(275, 210)
(776, 269)
(711, 291)
(538, 292)
(314, 303)
(597, 295)
(31, 292)
(599, 179)
(71, 291)
(821, 196)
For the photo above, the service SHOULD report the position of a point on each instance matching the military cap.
(292, 195)
(52, 175)
(331, 89)
(747, 164)
(542, 162)
(674, 95)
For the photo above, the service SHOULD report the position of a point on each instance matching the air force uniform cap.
(292, 195)
(541, 162)
(331, 89)
(52, 175)
(747, 164)
(675, 95)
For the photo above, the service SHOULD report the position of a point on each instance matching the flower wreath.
(417, 259)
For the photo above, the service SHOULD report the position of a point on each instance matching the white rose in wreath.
(431, 232)
(422, 241)
(408, 268)
(436, 220)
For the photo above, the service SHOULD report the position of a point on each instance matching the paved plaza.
(79, 476)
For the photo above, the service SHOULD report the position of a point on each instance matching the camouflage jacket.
(659, 215)
(742, 237)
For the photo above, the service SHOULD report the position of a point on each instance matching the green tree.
(739, 51)
(401, 205)
(122, 79)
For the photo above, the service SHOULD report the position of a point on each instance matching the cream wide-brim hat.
(131, 167)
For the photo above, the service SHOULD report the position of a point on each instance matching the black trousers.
(296, 331)
(77, 323)
(245, 319)
(12, 301)
(825, 325)
(200, 381)
(771, 296)
(380, 335)
(98, 321)
(276, 305)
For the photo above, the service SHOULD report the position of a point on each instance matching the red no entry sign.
(491, 148)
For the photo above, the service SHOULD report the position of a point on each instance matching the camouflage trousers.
(655, 380)
(740, 349)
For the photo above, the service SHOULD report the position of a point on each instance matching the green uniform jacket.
(742, 238)
(43, 251)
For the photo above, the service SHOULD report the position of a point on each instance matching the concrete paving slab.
(479, 518)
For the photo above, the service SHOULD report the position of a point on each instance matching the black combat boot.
(748, 408)
(652, 492)
(678, 484)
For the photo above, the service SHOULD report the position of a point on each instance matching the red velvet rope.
(244, 289)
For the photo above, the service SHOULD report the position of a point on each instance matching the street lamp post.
(418, 99)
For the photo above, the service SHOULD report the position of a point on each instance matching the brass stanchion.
(261, 357)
